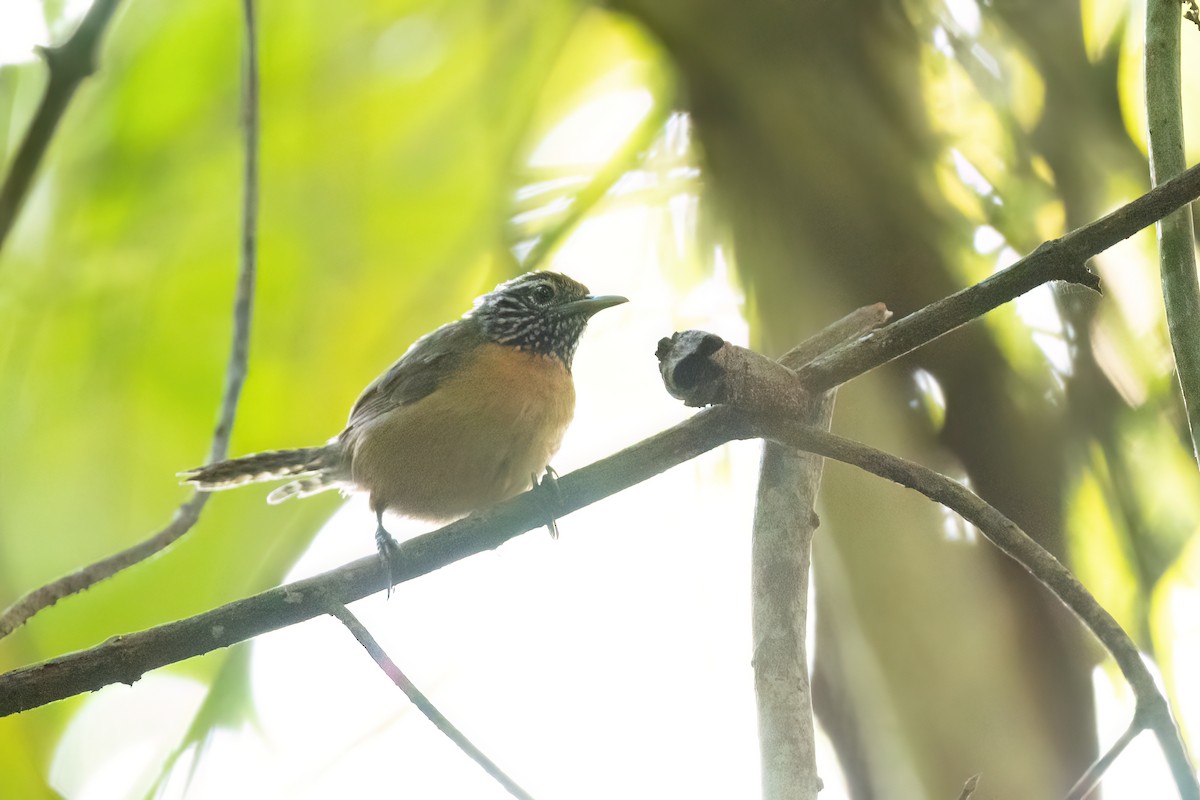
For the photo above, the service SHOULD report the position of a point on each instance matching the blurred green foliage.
(391, 131)
(916, 158)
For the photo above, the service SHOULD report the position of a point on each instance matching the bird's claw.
(549, 483)
(388, 548)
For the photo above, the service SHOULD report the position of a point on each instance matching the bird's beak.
(592, 303)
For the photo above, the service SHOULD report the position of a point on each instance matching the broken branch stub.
(702, 369)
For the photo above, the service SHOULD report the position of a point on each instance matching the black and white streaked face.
(541, 312)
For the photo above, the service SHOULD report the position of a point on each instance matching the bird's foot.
(388, 548)
(549, 484)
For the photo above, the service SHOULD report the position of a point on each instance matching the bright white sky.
(24, 26)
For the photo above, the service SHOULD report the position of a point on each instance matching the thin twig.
(68, 65)
(1091, 779)
(422, 702)
(243, 304)
(969, 788)
(1176, 244)
(43, 597)
(188, 513)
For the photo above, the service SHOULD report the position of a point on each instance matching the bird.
(469, 416)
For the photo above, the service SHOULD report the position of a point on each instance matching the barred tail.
(266, 466)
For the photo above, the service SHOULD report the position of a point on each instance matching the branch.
(1177, 253)
(1192, 12)
(423, 703)
(785, 520)
(968, 790)
(186, 515)
(701, 369)
(1061, 259)
(1090, 779)
(43, 597)
(124, 659)
(68, 65)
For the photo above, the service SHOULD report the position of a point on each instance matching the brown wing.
(417, 373)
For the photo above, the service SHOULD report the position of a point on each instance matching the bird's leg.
(549, 483)
(387, 548)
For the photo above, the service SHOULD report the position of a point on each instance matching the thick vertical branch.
(701, 369)
(1177, 255)
(785, 521)
(784, 524)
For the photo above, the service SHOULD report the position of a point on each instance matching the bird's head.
(541, 312)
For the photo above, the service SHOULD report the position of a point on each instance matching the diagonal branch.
(186, 515)
(423, 704)
(1061, 259)
(126, 658)
(68, 64)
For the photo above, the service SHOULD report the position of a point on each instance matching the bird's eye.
(542, 293)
